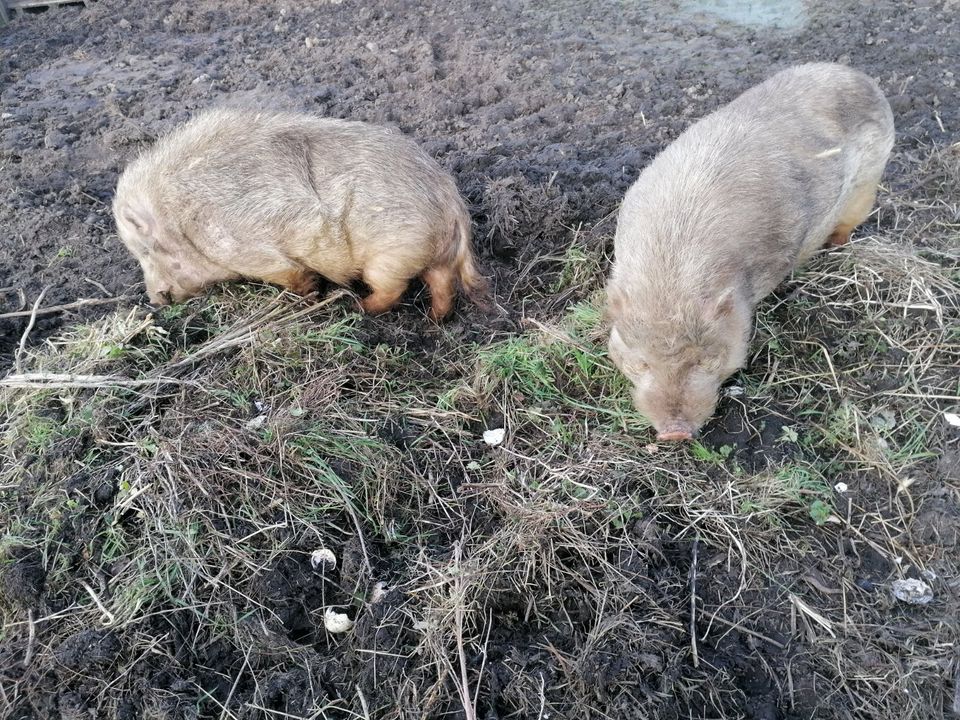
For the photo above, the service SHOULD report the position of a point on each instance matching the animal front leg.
(856, 211)
(297, 280)
(840, 236)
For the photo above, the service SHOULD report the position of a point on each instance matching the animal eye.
(710, 364)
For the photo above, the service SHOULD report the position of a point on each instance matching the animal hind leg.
(856, 211)
(440, 280)
(386, 286)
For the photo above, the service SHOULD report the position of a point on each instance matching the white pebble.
(323, 558)
(378, 592)
(494, 437)
(951, 418)
(912, 592)
(840, 487)
(256, 423)
(337, 622)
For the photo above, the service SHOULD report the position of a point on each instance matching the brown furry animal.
(283, 197)
(723, 215)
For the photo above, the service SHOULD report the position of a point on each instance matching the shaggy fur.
(723, 215)
(284, 197)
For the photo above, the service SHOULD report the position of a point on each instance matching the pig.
(722, 215)
(284, 197)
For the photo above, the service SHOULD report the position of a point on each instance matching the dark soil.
(545, 113)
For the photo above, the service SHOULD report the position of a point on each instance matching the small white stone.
(337, 622)
(904, 484)
(200, 78)
(323, 558)
(6, 116)
(494, 437)
(912, 592)
(951, 418)
(256, 423)
(378, 592)
(840, 487)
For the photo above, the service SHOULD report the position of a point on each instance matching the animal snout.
(676, 431)
(160, 297)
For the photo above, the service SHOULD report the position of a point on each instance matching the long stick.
(26, 333)
(50, 380)
(693, 604)
(86, 302)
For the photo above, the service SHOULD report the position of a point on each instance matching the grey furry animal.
(284, 197)
(723, 215)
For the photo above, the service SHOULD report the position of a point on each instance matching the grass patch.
(166, 480)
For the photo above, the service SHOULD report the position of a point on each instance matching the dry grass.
(159, 517)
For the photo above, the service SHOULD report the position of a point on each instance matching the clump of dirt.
(754, 439)
(89, 651)
(23, 577)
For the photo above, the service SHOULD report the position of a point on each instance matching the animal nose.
(160, 297)
(675, 431)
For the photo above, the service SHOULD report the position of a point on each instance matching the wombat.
(722, 216)
(284, 197)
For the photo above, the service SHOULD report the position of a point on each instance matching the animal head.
(677, 360)
(172, 267)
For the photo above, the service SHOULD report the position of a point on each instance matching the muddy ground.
(554, 110)
(544, 113)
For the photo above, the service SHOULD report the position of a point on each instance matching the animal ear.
(141, 221)
(613, 347)
(616, 302)
(724, 304)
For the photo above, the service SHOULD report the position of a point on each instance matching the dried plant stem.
(26, 333)
(86, 302)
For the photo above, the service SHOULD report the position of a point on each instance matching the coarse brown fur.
(723, 215)
(284, 197)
